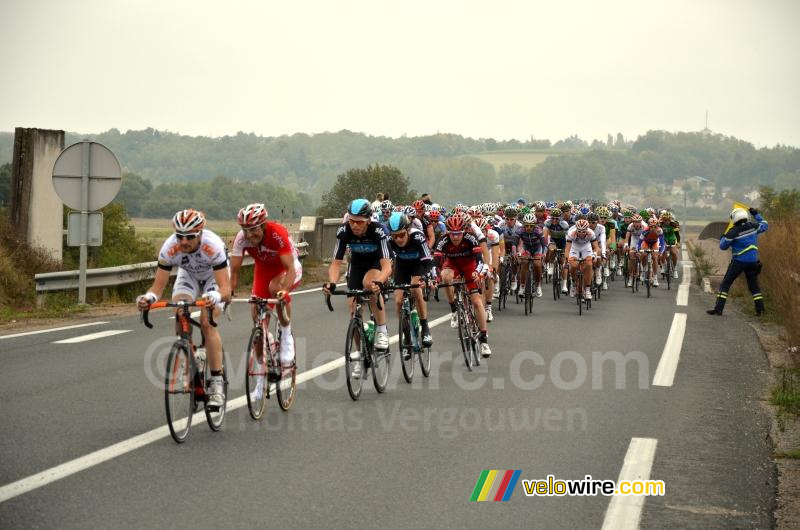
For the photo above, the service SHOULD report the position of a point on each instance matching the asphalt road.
(551, 401)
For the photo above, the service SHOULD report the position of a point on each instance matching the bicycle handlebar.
(281, 303)
(144, 313)
(360, 292)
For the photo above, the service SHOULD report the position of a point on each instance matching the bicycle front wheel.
(354, 354)
(464, 336)
(215, 416)
(287, 386)
(406, 347)
(179, 391)
(256, 378)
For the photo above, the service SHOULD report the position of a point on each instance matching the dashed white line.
(625, 511)
(50, 330)
(668, 365)
(683, 289)
(9, 491)
(93, 336)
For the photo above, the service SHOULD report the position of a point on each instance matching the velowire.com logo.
(495, 485)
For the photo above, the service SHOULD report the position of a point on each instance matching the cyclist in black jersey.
(370, 261)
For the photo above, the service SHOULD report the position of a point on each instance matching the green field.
(521, 157)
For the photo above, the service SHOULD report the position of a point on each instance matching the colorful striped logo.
(495, 485)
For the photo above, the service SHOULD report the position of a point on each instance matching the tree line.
(294, 172)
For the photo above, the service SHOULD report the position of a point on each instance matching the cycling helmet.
(455, 223)
(398, 221)
(474, 211)
(582, 226)
(555, 212)
(667, 215)
(410, 211)
(653, 221)
(636, 218)
(593, 217)
(738, 215)
(419, 205)
(360, 208)
(539, 206)
(434, 215)
(511, 213)
(252, 215)
(529, 219)
(521, 200)
(482, 222)
(386, 205)
(585, 210)
(603, 212)
(188, 221)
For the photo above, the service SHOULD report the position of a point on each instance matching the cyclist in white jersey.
(581, 243)
(202, 272)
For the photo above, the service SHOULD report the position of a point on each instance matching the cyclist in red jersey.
(277, 267)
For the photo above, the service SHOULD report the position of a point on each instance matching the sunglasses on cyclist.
(399, 235)
(250, 229)
(187, 237)
(456, 233)
(357, 221)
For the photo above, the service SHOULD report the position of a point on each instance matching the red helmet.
(434, 215)
(252, 215)
(455, 223)
(188, 221)
(419, 205)
(582, 225)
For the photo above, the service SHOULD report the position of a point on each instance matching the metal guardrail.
(113, 276)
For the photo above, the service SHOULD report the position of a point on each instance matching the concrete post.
(36, 210)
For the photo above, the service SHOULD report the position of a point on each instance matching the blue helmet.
(521, 200)
(398, 221)
(360, 207)
(585, 210)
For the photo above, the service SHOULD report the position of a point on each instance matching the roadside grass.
(702, 265)
(779, 278)
(786, 393)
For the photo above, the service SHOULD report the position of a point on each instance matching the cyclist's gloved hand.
(144, 300)
(753, 212)
(329, 287)
(212, 297)
(283, 296)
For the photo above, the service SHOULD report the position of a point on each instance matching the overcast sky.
(502, 69)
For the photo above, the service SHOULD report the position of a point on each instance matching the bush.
(780, 281)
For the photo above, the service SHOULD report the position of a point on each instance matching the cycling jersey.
(462, 258)
(672, 234)
(509, 235)
(557, 229)
(532, 241)
(368, 248)
(267, 256)
(581, 244)
(416, 248)
(636, 233)
(209, 257)
(600, 235)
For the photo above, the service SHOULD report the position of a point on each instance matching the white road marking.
(683, 289)
(668, 365)
(625, 511)
(93, 336)
(24, 485)
(51, 329)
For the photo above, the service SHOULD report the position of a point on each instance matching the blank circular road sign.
(105, 175)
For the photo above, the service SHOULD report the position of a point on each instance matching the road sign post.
(86, 176)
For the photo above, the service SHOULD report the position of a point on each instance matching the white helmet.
(738, 214)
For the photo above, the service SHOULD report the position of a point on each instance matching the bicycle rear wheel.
(179, 388)
(215, 416)
(579, 292)
(355, 344)
(287, 386)
(256, 378)
(406, 347)
(647, 279)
